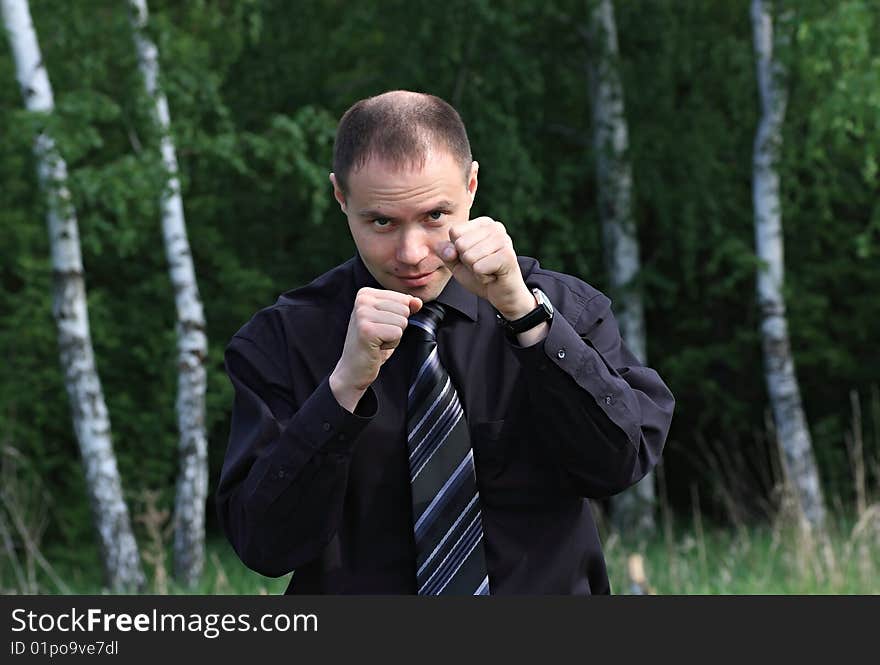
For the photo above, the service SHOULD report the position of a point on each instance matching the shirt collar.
(453, 295)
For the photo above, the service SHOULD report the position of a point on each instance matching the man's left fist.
(481, 257)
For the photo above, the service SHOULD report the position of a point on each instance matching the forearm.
(606, 417)
(275, 539)
(533, 336)
(285, 472)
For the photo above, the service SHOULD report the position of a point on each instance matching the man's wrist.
(537, 334)
(523, 306)
(527, 325)
(347, 396)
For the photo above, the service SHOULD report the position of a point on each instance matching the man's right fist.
(375, 328)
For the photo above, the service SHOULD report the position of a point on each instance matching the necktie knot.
(427, 319)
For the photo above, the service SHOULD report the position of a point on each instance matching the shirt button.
(281, 473)
(609, 399)
(326, 427)
(560, 354)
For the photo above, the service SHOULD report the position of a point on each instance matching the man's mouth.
(416, 280)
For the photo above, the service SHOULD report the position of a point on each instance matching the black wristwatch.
(543, 312)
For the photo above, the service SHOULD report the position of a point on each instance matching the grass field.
(690, 559)
(760, 560)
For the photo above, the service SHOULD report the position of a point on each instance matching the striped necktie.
(446, 505)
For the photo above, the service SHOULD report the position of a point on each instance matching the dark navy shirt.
(309, 487)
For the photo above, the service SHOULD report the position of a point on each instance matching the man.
(430, 416)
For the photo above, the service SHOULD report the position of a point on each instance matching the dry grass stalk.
(856, 450)
(24, 516)
(22, 584)
(864, 542)
(875, 420)
(698, 526)
(814, 553)
(666, 517)
(638, 581)
(221, 581)
(159, 528)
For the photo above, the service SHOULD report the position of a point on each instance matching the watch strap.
(542, 312)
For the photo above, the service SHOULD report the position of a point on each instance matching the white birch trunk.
(91, 421)
(633, 510)
(192, 345)
(782, 386)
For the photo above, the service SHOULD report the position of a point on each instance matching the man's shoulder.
(569, 294)
(318, 303)
(325, 291)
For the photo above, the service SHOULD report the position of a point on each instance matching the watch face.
(543, 300)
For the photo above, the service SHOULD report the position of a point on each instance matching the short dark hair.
(399, 127)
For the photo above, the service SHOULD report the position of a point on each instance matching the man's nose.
(413, 247)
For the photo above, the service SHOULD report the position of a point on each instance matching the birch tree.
(633, 510)
(122, 565)
(779, 371)
(192, 345)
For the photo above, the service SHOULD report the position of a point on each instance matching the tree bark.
(192, 345)
(779, 371)
(122, 565)
(633, 510)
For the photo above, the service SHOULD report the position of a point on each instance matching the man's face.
(400, 218)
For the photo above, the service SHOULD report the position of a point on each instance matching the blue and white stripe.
(448, 525)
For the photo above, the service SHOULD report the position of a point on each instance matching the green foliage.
(255, 90)
(831, 212)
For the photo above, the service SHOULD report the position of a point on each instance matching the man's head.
(403, 174)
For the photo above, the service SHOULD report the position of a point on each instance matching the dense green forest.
(255, 90)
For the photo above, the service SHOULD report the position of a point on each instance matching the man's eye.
(382, 222)
(435, 214)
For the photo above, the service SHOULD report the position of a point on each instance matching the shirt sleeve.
(283, 481)
(605, 416)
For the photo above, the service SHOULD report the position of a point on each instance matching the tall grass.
(770, 559)
(779, 554)
(223, 574)
(781, 558)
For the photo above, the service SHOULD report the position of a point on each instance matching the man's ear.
(338, 194)
(472, 180)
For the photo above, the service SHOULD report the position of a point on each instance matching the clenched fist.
(375, 328)
(481, 257)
